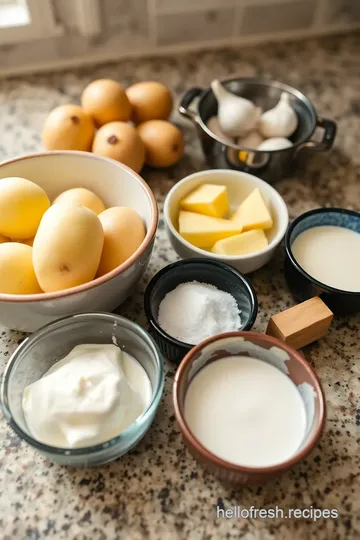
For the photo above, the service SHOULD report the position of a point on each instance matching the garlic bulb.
(214, 126)
(281, 121)
(275, 143)
(236, 115)
(252, 140)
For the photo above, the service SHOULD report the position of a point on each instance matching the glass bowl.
(41, 350)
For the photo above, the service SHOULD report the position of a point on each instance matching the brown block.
(301, 324)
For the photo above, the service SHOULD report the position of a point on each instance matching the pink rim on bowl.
(150, 233)
(208, 456)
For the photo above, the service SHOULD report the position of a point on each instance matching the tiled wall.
(342, 10)
(259, 19)
(194, 21)
(129, 16)
(140, 27)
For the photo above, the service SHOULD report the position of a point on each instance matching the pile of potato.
(47, 248)
(128, 125)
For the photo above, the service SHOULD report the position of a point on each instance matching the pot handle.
(186, 101)
(327, 141)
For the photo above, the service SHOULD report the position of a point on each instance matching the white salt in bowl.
(216, 273)
(239, 186)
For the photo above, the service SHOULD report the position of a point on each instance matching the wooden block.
(301, 324)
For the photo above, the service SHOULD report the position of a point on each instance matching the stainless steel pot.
(199, 105)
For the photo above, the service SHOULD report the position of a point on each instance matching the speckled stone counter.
(158, 490)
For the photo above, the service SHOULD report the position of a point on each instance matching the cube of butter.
(205, 231)
(207, 199)
(241, 244)
(253, 212)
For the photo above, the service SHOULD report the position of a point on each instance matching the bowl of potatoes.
(76, 233)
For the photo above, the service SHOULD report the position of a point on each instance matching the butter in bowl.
(226, 215)
(202, 223)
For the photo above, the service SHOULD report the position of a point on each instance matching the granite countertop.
(158, 490)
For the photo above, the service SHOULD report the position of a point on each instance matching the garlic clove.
(281, 121)
(214, 126)
(275, 143)
(252, 140)
(237, 115)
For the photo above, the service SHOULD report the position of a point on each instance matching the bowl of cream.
(249, 407)
(84, 389)
(322, 258)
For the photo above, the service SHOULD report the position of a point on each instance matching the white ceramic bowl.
(239, 185)
(117, 185)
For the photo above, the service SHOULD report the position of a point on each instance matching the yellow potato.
(68, 127)
(22, 205)
(120, 141)
(28, 242)
(150, 100)
(106, 101)
(67, 247)
(124, 231)
(81, 197)
(17, 274)
(164, 143)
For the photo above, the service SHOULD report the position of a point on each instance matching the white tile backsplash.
(277, 17)
(174, 6)
(126, 15)
(64, 14)
(194, 27)
(138, 27)
(342, 11)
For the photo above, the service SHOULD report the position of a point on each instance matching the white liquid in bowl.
(246, 412)
(331, 255)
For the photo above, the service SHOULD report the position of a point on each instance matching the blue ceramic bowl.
(302, 285)
(219, 274)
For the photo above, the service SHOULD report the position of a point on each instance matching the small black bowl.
(209, 271)
(302, 285)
